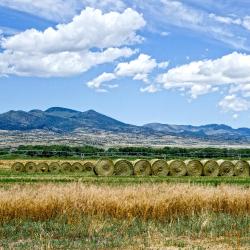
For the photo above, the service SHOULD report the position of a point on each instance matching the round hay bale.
(159, 167)
(66, 167)
(142, 167)
(210, 168)
(241, 168)
(77, 167)
(18, 167)
(177, 168)
(194, 167)
(104, 167)
(226, 168)
(88, 168)
(123, 167)
(43, 167)
(54, 167)
(31, 167)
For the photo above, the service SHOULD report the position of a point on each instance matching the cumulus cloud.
(138, 69)
(202, 77)
(234, 103)
(90, 29)
(91, 38)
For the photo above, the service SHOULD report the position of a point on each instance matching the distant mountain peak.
(60, 109)
(61, 119)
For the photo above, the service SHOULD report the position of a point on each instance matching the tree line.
(88, 151)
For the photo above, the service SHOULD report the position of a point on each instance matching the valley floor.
(75, 211)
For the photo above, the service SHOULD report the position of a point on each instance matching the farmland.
(79, 210)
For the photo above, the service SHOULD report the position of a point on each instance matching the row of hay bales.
(156, 167)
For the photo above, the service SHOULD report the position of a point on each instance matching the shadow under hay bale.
(226, 168)
(241, 168)
(177, 168)
(104, 167)
(142, 168)
(159, 167)
(123, 168)
(54, 167)
(43, 167)
(31, 167)
(194, 167)
(210, 168)
(18, 167)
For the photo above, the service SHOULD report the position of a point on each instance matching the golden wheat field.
(158, 201)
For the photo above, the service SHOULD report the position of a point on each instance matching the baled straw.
(123, 167)
(194, 167)
(54, 167)
(31, 167)
(66, 167)
(177, 168)
(18, 167)
(43, 167)
(77, 167)
(159, 167)
(88, 167)
(210, 168)
(226, 168)
(104, 167)
(241, 168)
(142, 167)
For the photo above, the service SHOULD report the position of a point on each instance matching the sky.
(167, 61)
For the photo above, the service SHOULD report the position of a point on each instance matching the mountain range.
(63, 120)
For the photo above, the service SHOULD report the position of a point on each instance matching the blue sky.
(177, 62)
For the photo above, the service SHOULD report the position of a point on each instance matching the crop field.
(82, 209)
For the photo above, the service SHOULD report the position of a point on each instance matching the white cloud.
(68, 49)
(235, 116)
(150, 89)
(225, 19)
(182, 14)
(105, 77)
(246, 22)
(202, 77)
(163, 65)
(56, 10)
(60, 10)
(234, 103)
(138, 69)
(90, 29)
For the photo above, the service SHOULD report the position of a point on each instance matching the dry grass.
(157, 202)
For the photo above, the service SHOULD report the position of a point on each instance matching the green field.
(204, 230)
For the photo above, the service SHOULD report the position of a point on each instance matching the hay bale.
(194, 167)
(226, 168)
(123, 167)
(18, 167)
(88, 168)
(66, 167)
(31, 167)
(210, 168)
(159, 167)
(241, 168)
(77, 167)
(177, 168)
(54, 167)
(104, 167)
(43, 167)
(142, 167)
